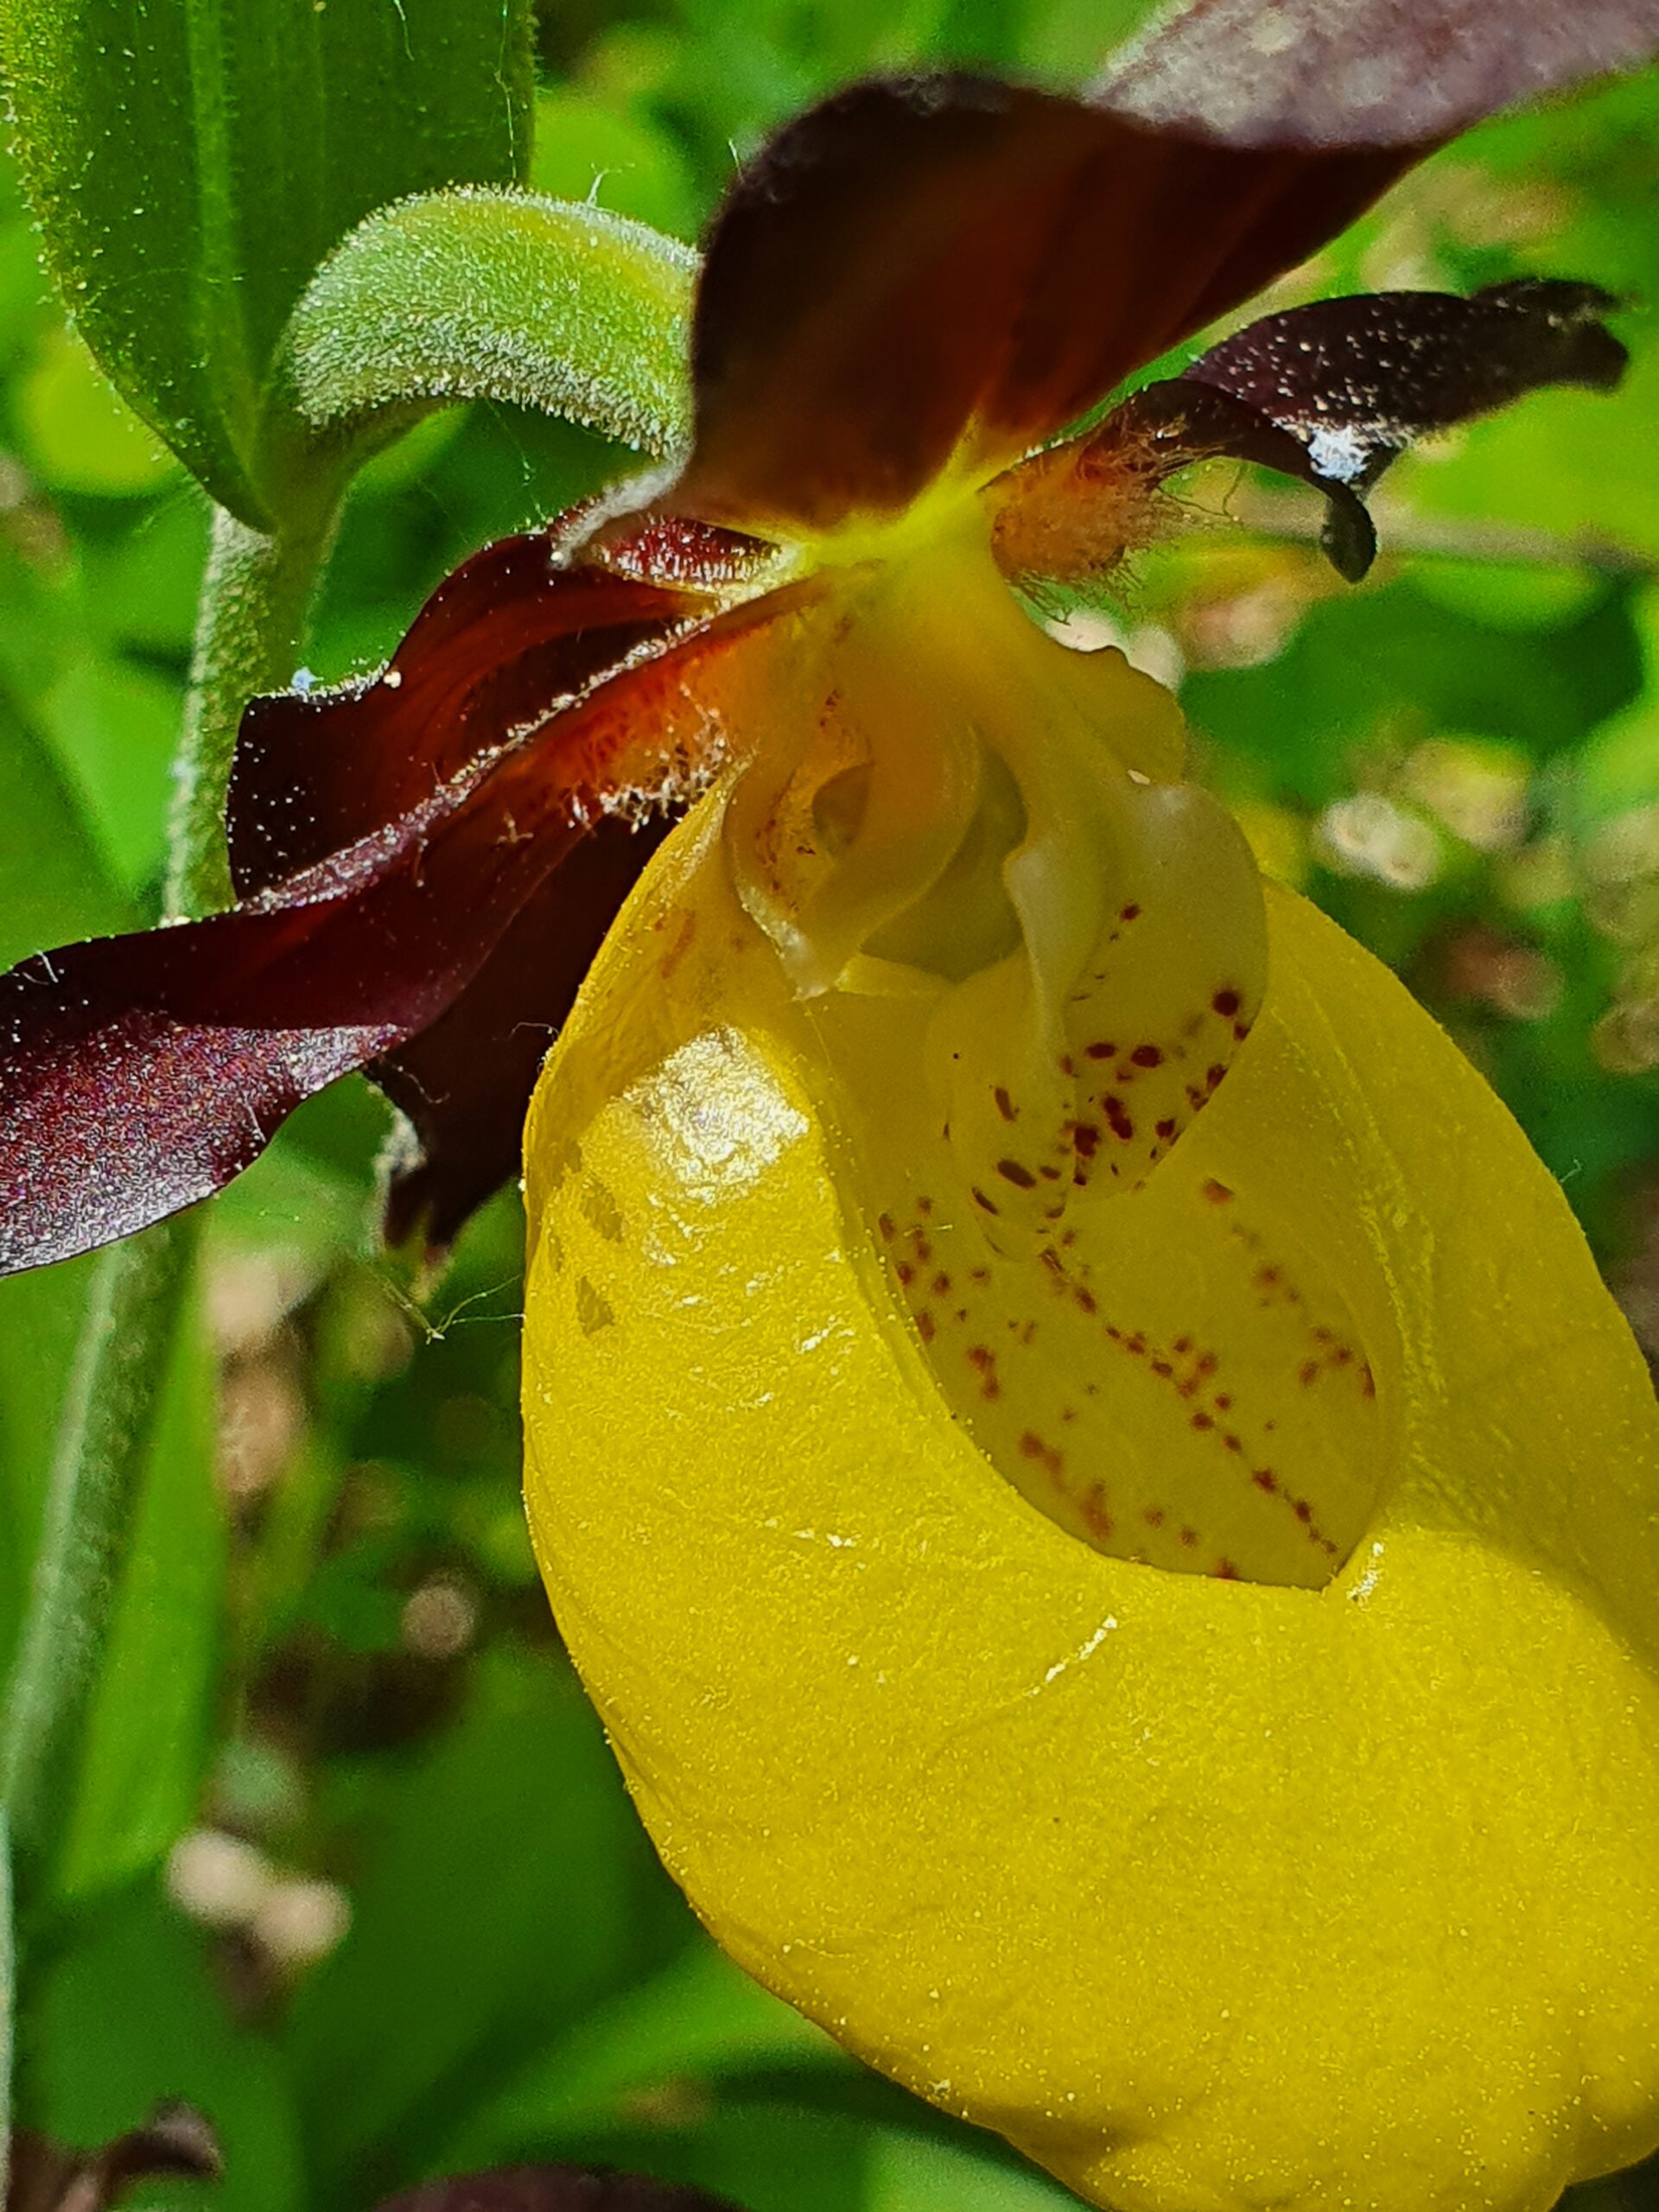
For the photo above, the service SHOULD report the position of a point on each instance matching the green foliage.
(472, 294)
(338, 1851)
(190, 165)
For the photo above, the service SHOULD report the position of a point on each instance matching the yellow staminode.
(1314, 1862)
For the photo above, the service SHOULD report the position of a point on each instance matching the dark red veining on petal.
(194, 1042)
(917, 258)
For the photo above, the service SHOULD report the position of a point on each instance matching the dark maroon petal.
(1365, 73)
(1075, 511)
(917, 263)
(522, 625)
(465, 1083)
(553, 2189)
(139, 1073)
(1356, 380)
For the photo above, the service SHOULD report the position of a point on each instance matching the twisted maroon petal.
(140, 1073)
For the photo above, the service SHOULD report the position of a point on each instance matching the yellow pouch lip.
(1468, 1629)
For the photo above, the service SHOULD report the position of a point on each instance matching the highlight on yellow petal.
(1179, 1688)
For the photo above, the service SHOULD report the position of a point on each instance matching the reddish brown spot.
(1182, 1346)
(1117, 1117)
(923, 1205)
(923, 1249)
(1153, 1517)
(980, 1201)
(1223, 1404)
(1202, 1420)
(1264, 1478)
(1068, 1067)
(905, 1272)
(1128, 913)
(1011, 1172)
(1135, 1344)
(1147, 1056)
(1241, 1030)
(1049, 1174)
(1096, 1517)
(1162, 1367)
(941, 1285)
(1232, 1442)
(883, 1223)
(1086, 1137)
(925, 1325)
(1189, 1537)
(1212, 1075)
(1303, 1511)
(1005, 1105)
(1226, 1003)
(980, 1275)
(1367, 1382)
(1206, 1363)
(1225, 1571)
(1309, 1372)
(981, 1357)
(1166, 1128)
(1103, 1051)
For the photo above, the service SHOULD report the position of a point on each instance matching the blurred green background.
(349, 1865)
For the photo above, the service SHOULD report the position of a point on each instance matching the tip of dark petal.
(1348, 536)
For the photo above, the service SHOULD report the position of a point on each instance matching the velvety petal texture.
(925, 269)
(385, 849)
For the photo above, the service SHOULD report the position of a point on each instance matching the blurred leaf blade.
(485, 295)
(149, 1730)
(190, 165)
(500, 1898)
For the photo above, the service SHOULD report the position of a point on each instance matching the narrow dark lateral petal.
(139, 1073)
(919, 261)
(1356, 380)
(1168, 426)
(553, 2189)
(498, 642)
(1364, 73)
(465, 1083)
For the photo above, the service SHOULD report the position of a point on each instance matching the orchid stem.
(255, 593)
(254, 597)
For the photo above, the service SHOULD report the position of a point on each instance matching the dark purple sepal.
(464, 1084)
(1334, 392)
(138, 1074)
(1364, 73)
(934, 267)
(1357, 380)
(1169, 426)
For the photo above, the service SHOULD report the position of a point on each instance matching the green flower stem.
(131, 1310)
(254, 598)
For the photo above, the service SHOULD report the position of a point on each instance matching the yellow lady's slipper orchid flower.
(1085, 1465)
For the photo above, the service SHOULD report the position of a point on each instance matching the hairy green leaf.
(465, 294)
(191, 163)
